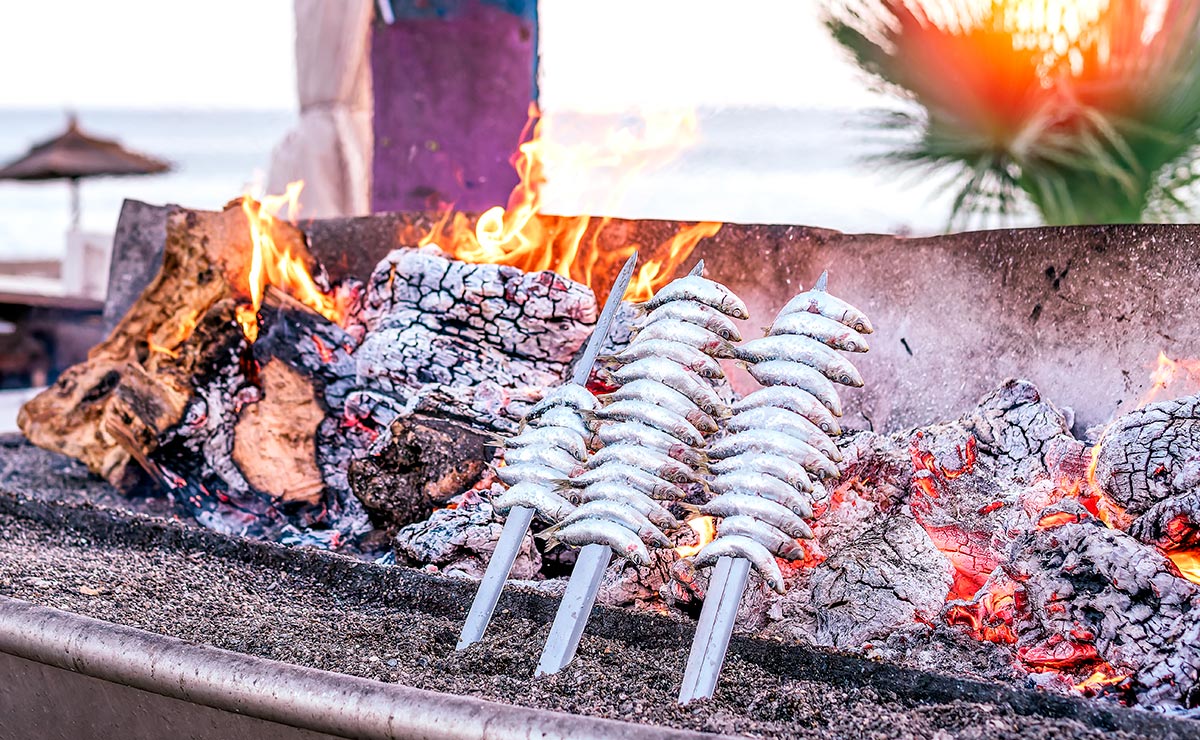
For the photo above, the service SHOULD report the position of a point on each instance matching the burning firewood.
(136, 384)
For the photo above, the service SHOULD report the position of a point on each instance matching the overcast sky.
(147, 54)
(597, 54)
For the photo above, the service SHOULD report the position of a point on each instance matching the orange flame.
(1172, 378)
(271, 264)
(1099, 680)
(1188, 563)
(523, 236)
(705, 528)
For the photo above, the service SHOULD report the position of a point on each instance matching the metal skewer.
(714, 629)
(580, 596)
(574, 609)
(520, 517)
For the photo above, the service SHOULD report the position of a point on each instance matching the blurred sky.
(598, 54)
(147, 54)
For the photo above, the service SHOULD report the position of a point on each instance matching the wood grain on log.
(136, 384)
(274, 440)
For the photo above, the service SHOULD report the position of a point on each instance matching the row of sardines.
(615, 469)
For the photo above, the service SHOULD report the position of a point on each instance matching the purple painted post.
(453, 80)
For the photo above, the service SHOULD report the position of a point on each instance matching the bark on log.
(136, 384)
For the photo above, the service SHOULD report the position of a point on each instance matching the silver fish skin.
(602, 532)
(548, 504)
(776, 443)
(545, 475)
(647, 391)
(569, 395)
(636, 500)
(764, 534)
(685, 354)
(681, 331)
(621, 513)
(797, 375)
(699, 314)
(737, 546)
(640, 434)
(671, 374)
(656, 416)
(793, 399)
(562, 416)
(820, 302)
(784, 468)
(636, 478)
(788, 422)
(551, 457)
(701, 290)
(565, 439)
(805, 350)
(825, 330)
(766, 486)
(647, 458)
(777, 515)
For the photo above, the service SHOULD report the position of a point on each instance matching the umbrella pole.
(74, 204)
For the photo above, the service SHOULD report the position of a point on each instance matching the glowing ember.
(705, 528)
(523, 236)
(271, 264)
(1099, 680)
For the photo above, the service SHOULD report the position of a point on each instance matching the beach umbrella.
(73, 155)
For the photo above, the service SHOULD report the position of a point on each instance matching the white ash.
(474, 341)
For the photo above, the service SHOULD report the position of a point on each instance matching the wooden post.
(453, 80)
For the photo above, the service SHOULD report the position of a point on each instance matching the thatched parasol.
(74, 154)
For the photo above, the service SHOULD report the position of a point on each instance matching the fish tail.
(690, 508)
(822, 282)
(551, 542)
(547, 534)
(698, 270)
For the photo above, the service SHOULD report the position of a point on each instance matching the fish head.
(702, 421)
(847, 378)
(636, 555)
(658, 539)
(733, 306)
(853, 342)
(776, 585)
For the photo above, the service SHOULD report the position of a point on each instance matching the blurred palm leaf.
(1090, 109)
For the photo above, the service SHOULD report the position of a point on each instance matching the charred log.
(476, 342)
(1148, 463)
(424, 463)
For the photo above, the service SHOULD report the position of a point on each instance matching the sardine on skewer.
(542, 499)
(818, 300)
(701, 290)
(778, 542)
(699, 314)
(787, 422)
(741, 546)
(805, 350)
(825, 330)
(690, 357)
(796, 400)
(591, 531)
(687, 333)
(676, 377)
(620, 513)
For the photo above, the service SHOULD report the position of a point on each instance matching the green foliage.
(1098, 126)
